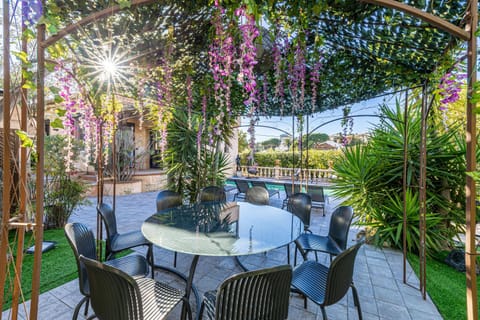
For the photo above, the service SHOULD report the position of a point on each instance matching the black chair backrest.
(340, 275)
(242, 186)
(340, 225)
(82, 241)
(300, 204)
(316, 192)
(288, 189)
(212, 194)
(167, 199)
(260, 294)
(113, 293)
(257, 195)
(110, 221)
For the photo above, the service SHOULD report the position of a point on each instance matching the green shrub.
(370, 178)
(317, 159)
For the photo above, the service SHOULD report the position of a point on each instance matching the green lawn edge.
(446, 286)
(58, 265)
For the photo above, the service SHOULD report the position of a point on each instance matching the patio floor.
(378, 273)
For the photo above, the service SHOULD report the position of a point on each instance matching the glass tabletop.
(228, 229)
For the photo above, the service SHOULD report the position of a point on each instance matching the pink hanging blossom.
(449, 88)
(314, 80)
(248, 57)
(221, 53)
(297, 73)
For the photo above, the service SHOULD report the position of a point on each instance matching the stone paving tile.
(388, 295)
(392, 311)
(376, 271)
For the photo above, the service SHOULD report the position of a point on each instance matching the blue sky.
(361, 124)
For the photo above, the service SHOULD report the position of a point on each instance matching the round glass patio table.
(221, 229)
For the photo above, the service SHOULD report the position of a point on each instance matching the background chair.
(117, 296)
(212, 194)
(257, 195)
(336, 240)
(271, 193)
(82, 242)
(167, 199)
(260, 294)
(318, 197)
(242, 187)
(300, 205)
(116, 242)
(289, 192)
(327, 285)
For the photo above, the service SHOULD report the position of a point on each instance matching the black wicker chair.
(168, 199)
(242, 187)
(82, 241)
(336, 240)
(116, 242)
(327, 285)
(271, 193)
(212, 194)
(318, 197)
(300, 205)
(261, 294)
(289, 191)
(117, 296)
(257, 195)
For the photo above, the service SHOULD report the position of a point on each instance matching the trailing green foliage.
(370, 178)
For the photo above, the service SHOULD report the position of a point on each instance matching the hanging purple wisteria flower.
(314, 80)
(449, 88)
(248, 57)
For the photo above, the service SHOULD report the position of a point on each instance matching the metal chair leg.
(356, 301)
(86, 307)
(151, 259)
(77, 308)
(288, 253)
(324, 313)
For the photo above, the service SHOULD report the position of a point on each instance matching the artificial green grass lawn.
(58, 266)
(446, 286)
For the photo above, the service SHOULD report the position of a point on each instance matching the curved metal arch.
(89, 19)
(425, 16)
(340, 118)
(268, 127)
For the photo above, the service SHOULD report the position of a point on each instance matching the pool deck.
(378, 272)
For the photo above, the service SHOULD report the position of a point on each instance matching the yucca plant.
(191, 169)
(370, 179)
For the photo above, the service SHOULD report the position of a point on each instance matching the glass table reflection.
(221, 229)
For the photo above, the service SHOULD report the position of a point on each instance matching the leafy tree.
(242, 141)
(314, 138)
(271, 143)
